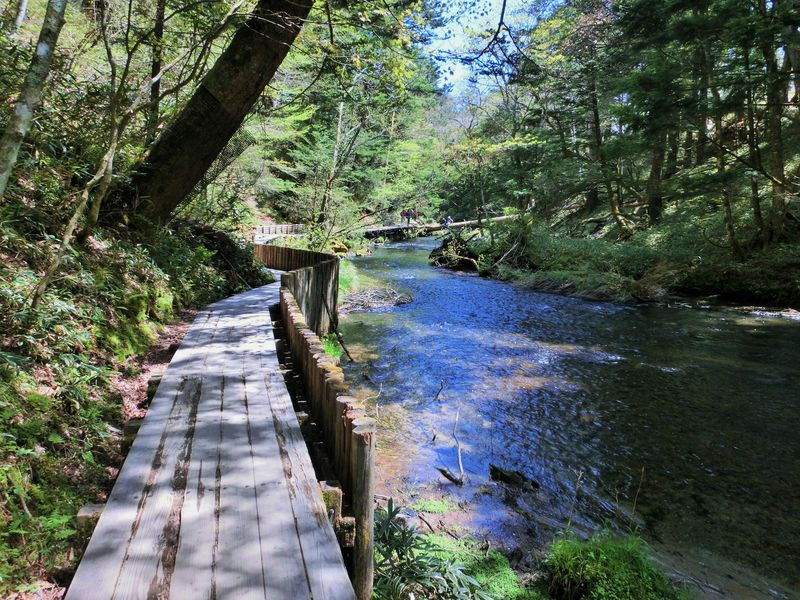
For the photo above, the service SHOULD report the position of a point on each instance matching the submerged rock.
(374, 298)
(514, 478)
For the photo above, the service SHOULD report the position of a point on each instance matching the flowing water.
(682, 423)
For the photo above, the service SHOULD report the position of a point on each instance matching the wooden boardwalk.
(217, 498)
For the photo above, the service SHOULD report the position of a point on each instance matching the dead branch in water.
(424, 520)
(441, 387)
(445, 471)
(335, 324)
(376, 398)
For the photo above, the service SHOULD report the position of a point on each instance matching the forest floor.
(134, 388)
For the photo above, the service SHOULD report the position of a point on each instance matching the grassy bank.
(654, 264)
(352, 281)
(440, 566)
(59, 438)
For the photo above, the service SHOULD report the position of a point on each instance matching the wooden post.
(343, 404)
(356, 411)
(363, 505)
(334, 387)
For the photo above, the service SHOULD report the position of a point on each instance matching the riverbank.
(661, 264)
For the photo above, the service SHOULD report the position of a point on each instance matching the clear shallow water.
(691, 414)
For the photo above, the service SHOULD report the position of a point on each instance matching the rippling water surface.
(684, 422)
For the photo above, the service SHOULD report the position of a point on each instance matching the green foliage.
(407, 563)
(48, 468)
(606, 568)
(671, 258)
(357, 147)
(490, 569)
(332, 347)
(642, 123)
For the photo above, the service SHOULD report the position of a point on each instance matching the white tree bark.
(31, 95)
(22, 12)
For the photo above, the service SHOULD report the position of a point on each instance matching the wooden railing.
(308, 300)
(283, 229)
(313, 279)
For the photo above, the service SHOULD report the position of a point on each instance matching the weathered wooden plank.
(324, 565)
(194, 575)
(240, 571)
(258, 536)
(109, 550)
(149, 559)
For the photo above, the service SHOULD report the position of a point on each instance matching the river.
(681, 423)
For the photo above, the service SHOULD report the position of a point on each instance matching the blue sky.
(455, 38)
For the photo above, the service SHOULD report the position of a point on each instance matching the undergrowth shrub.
(407, 563)
(677, 256)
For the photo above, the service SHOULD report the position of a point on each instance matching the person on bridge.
(447, 221)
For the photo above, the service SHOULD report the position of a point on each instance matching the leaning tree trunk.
(185, 150)
(775, 158)
(31, 95)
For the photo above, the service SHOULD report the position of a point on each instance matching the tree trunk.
(185, 149)
(331, 179)
(100, 182)
(655, 200)
(597, 135)
(701, 96)
(754, 156)
(722, 169)
(31, 95)
(22, 12)
(688, 144)
(774, 134)
(153, 111)
(671, 167)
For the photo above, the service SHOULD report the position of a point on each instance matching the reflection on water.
(696, 409)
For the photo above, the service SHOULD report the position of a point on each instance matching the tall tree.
(30, 96)
(185, 150)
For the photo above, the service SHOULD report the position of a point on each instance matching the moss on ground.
(606, 568)
(433, 505)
